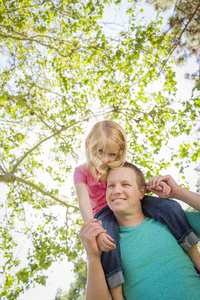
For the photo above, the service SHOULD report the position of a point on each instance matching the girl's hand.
(159, 187)
(88, 235)
(154, 183)
(105, 242)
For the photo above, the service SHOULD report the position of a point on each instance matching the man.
(155, 266)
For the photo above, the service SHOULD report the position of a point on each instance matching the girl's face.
(108, 155)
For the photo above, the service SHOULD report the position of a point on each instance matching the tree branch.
(25, 102)
(38, 42)
(17, 97)
(38, 144)
(1, 168)
(23, 7)
(45, 193)
(49, 91)
(177, 41)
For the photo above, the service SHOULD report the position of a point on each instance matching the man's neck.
(130, 220)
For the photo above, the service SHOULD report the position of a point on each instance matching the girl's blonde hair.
(104, 135)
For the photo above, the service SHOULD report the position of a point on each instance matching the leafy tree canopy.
(77, 288)
(185, 27)
(60, 69)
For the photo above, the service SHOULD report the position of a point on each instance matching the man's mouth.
(118, 200)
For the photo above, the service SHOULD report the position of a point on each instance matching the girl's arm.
(84, 201)
(105, 242)
(191, 198)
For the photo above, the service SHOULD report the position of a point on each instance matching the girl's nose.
(105, 158)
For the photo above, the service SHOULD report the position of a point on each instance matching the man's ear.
(142, 192)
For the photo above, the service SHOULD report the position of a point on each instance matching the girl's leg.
(171, 213)
(111, 261)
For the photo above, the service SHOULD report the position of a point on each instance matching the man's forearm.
(96, 283)
(192, 199)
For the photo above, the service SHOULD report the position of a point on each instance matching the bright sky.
(60, 274)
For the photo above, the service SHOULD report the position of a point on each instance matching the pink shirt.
(97, 190)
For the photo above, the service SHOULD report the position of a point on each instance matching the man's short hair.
(139, 175)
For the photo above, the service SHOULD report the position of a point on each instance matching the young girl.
(106, 147)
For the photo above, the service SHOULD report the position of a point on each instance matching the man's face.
(123, 195)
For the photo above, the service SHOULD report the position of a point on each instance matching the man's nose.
(118, 189)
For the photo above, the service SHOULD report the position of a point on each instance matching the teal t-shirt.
(155, 266)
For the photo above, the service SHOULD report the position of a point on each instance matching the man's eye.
(110, 185)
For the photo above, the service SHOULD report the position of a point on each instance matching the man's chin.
(117, 209)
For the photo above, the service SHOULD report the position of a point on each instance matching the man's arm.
(177, 192)
(96, 283)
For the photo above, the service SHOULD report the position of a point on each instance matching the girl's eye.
(100, 152)
(113, 154)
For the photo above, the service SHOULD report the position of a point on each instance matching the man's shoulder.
(194, 220)
(192, 214)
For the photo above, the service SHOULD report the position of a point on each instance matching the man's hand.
(164, 186)
(105, 242)
(88, 236)
(97, 287)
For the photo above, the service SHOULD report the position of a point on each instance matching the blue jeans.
(166, 211)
